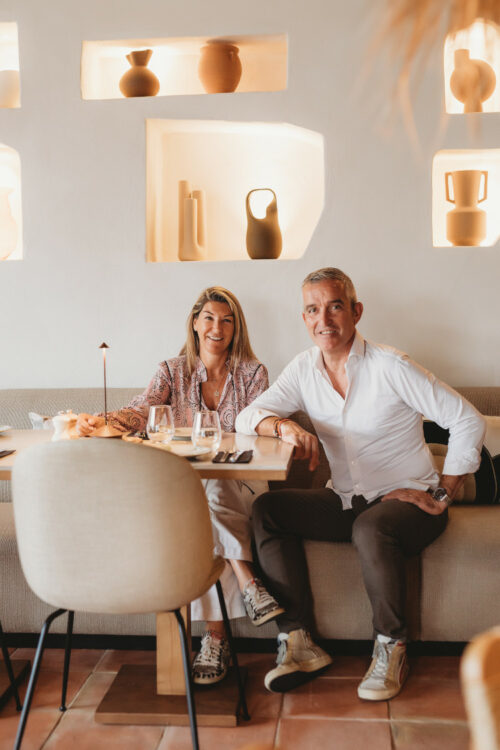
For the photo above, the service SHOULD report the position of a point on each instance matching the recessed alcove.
(465, 197)
(11, 241)
(10, 90)
(472, 69)
(227, 160)
(175, 63)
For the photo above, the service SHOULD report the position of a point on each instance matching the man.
(366, 403)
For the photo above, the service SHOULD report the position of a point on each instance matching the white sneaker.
(387, 672)
(212, 661)
(259, 604)
(299, 660)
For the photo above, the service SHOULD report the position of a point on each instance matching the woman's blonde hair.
(239, 348)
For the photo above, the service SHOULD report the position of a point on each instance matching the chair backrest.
(480, 676)
(109, 526)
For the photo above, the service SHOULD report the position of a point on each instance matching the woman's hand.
(306, 444)
(421, 499)
(87, 423)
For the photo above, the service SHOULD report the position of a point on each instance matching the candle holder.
(106, 431)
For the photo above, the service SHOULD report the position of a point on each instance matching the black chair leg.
(8, 667)
(234, 657)
(189, 682)
(67, 657)
(34, 676)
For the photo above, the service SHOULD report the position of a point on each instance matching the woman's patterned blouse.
(172, 384)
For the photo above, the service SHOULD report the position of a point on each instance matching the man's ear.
(358, 312)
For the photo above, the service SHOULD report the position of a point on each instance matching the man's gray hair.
(333, 274)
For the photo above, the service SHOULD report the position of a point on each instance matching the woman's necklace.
(220, 382)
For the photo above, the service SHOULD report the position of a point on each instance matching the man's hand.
(306, 444)
(419, 498)
(87, 423)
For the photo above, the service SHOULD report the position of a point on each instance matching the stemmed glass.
(206, 430)
(160, 427)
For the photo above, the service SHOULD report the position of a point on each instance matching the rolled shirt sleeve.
(280, 400)
(435, 400)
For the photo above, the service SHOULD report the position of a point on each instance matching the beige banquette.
(453, 588)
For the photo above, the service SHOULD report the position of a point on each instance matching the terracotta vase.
(264, 239)
(466, 224)
(8, 226)
(9, 89)
(472, 81)
(139, 80)
(219, 69)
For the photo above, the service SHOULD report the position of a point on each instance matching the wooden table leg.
(170, 678)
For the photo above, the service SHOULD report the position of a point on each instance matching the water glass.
(206, 430)
(160, 427)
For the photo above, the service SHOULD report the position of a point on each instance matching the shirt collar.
(357, 350)
(201, 370)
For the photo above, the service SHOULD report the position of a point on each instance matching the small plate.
(188, 450)
(5, 427)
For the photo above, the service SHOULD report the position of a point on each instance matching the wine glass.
(160, 427)
(206, 430)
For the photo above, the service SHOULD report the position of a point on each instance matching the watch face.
(440, 494)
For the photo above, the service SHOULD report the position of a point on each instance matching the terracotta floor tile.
(48, 689)
(311, 734)
(79, 731)
(347, 666)
(39, 726)
(93, 690)
(113, 660)
(435, 667)
(331, 698)
(260, 663)
(422, 698)
(82, 660)
(429, 736)
(261, 703)
(218, 738)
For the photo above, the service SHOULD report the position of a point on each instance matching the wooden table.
(141, 694)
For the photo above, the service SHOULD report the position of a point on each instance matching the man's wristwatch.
(440, 495)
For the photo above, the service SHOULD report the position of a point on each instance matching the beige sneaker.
(299, 660)
(387, 672)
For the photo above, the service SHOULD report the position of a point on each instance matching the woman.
(216, 370)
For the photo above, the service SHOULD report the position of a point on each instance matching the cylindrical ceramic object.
(139, 80)
(9, 89)
(201, 236)
(8, 226)
(219, 69)
(191, 250)
(184, 192)
(263, 238)
(466, 224)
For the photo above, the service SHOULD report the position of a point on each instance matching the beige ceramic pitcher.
(466, 223)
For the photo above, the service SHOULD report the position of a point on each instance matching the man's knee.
(264, 509)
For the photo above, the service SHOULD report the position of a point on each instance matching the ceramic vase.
(219, 69)
(192, 223)
(472, 81)
(8, 226)
(263, 235)
(9, 89)
(139, 80)
(466, 224)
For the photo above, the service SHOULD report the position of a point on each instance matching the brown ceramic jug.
(263, 235)
(139, 80)
(219, 69)
(472, 81)
(466, 224)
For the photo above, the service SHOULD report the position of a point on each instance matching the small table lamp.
(106, 430)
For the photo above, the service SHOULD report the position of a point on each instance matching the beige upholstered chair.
(6, 530)
(480, 676)
(108, 526)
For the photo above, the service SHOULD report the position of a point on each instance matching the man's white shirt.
(374, 439)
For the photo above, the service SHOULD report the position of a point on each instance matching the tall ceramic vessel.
(192, 223)
(472, 81)
(139, 80)
(9, 89)
(219, 69)
(466, 224)
(263, 235)
(8, 226)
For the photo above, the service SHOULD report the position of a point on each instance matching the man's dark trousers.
(384, 533)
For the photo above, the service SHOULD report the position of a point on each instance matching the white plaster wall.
(84, 278)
